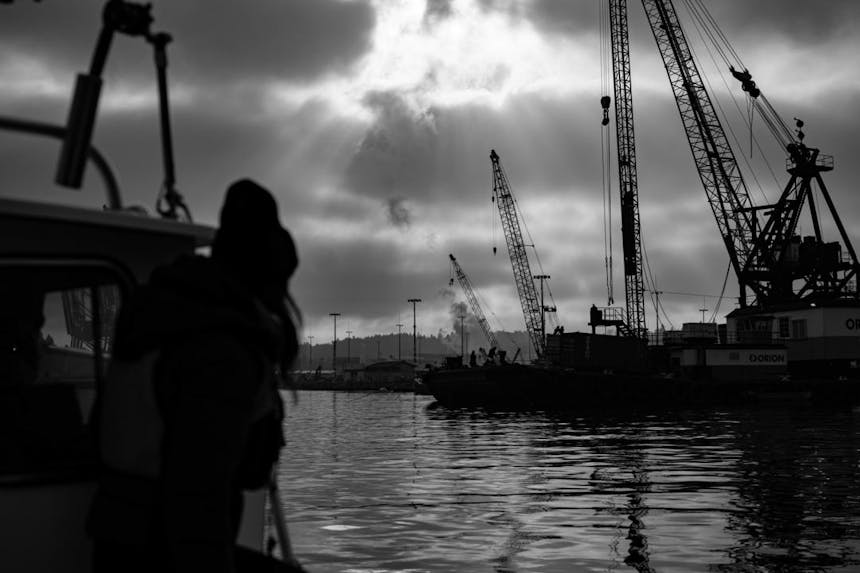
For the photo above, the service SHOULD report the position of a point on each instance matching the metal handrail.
(59, 132)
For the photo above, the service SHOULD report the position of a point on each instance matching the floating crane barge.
(796, 334)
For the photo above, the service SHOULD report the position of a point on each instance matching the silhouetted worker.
(473, 359)
(190, 415)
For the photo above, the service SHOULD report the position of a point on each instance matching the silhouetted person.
(473, 360)
(191, 415)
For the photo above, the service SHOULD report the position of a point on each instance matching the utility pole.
(414, 331)
(348, 340)
(399, 340)
(310, 352)
(334, 315)
(462, 339)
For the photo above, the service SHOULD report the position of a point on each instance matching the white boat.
(64, 272)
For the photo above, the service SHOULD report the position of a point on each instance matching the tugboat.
(64, 272)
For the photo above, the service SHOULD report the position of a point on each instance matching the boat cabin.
(64, 273)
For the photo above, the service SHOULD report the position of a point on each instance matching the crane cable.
(722, 112)
(606, 148)
(722, 294)
(552, 319)
(706, 22)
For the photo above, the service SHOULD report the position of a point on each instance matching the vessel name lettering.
(852, 324)
(767, 357)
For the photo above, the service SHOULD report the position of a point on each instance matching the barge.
(587, 371)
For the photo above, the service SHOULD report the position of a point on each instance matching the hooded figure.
(190, 414)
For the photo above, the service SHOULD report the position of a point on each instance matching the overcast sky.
(372, 122)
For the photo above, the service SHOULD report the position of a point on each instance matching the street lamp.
(334, 315)
(414, 331)
(399, 326)
(311, 352)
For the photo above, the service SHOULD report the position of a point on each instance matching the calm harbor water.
(385, 482)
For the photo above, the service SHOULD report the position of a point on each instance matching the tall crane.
(532, 310)
(767, 258)
(473, 302)
(627, 177)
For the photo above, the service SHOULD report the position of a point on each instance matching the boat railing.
(59, 132)
(679, 338)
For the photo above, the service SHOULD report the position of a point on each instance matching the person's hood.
(192, 295)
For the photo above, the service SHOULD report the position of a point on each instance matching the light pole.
(399, 356)
(462, 340)
(348, 340)
(310, 352)
(414, 331)
(334, 315)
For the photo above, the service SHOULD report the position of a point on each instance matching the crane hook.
(604, 102)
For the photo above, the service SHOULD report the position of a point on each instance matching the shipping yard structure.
(797, 326)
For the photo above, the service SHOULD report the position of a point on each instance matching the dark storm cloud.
(364, 280)
(804, 21)
(216, 41)
(442, 154)
(436, 10)
(298, 40)
(398, 213)
(396, 153)
(564, 16)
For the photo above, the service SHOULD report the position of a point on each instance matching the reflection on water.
(391, 482)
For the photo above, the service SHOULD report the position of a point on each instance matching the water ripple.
(391, 482)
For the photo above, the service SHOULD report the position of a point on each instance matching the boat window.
(56, 334)
(798, 328)
(784, 329)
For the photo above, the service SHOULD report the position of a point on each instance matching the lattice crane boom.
(466, 284)
(768, 258)
(715, 161)
(519, 258)
(627, 176)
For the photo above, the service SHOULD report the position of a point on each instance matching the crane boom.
(715, 161)
(519, 258)
(466, 284)
(627, 176)
(768, 258)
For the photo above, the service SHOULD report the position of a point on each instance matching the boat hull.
(518, 387)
